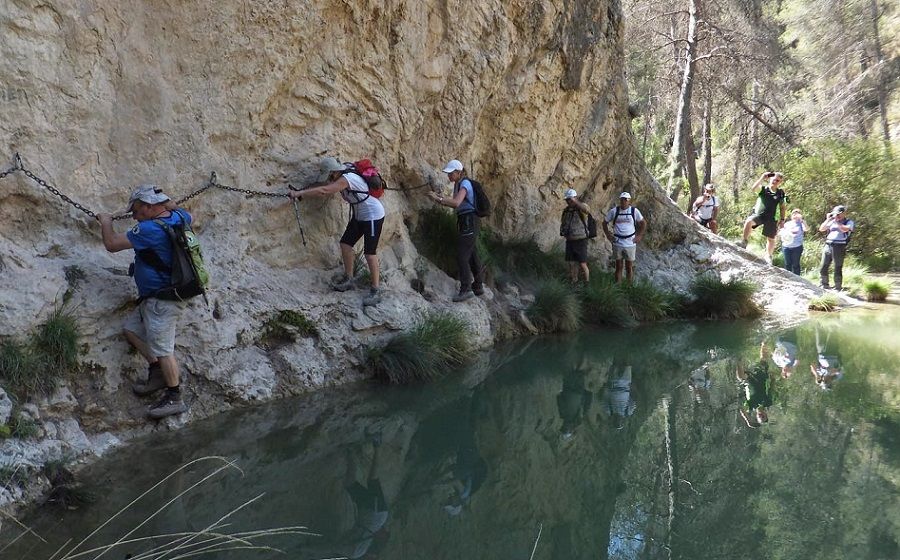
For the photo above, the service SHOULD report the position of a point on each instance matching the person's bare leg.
(714, 227)
(372, 261)
(170, 372)
(619, 266)
(139, 345)
(770, 246)
(748, 227)
(586, 271)
(573, 272)
(347, 256)
(629, 271)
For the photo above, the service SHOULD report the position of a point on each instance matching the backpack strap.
(632, 221)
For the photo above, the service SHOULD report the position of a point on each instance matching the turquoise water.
(605, 444)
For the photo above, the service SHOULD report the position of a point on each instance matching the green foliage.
(556, 307)
(825, 302)
(715, 299)
(647, 303)
(22, 427)
(435, 238)
(876, 289)
(605, 303)
(286, 326)
(64, 493)
(520, 258)
(36, 365)
(439, 342)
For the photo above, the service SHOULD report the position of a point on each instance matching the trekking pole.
(297, 213)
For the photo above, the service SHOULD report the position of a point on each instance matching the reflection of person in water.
(785, 354)
(827, 368)
(573, 402)
(699, 383)
(756, 390)
(618, 401)
(469, 468)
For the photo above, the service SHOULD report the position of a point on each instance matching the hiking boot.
(374, 298)
(154, 382)
(742, 243)
(463, 295)
(344, 284)
(170, 404)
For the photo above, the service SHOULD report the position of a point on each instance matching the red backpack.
(370, 175)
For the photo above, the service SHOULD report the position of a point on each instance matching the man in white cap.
(838, 228)
(574, 227)
(467, 224)
(150, 327)
(628, 230)
(366, 222)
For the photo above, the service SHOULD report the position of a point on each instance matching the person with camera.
(706, 208)
(837, 227)
(792, 233)
(770, 199)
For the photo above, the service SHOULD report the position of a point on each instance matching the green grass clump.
(648, 303)
(439, 342)
(876, 289)
(522, 259)
(715, 299)
(286, 326)
(826, 302)
(556, 307)
(435, 238)
(64, 492)
(36, 366)
(605, 302)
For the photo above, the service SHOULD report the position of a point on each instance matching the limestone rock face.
(100, 96)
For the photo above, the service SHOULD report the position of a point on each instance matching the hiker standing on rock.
(574, 227)
(366, 221)
(769, 199)
(150, 327)
(628, 230)
(471, 281)
(706, 208)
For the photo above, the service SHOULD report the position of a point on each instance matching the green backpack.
(189, 276)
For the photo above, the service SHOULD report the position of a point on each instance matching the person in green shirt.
(770, 199)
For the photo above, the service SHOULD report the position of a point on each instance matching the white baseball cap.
(150, 194)
(570, 193)
(625, 195)
(453, 165)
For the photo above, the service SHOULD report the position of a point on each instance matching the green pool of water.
(604, 444)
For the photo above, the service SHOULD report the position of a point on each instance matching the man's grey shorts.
(154, 321)
(626, 253)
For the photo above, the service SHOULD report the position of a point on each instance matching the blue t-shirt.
(468, 204)
(837, 237)
(148, 235)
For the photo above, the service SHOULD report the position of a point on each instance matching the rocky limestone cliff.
(99, 96)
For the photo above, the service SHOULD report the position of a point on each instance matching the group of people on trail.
(770, 212)
(623, 225)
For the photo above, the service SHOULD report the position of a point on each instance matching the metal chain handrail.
(212, 183)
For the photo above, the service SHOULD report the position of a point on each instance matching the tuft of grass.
(556, 307)
(521, 258)
(286, 326)
(876, 289)
(648, 303)
(50, 353)
(826, 302)
(715, 299)
(605, 302)
(22, 427)
(64, 493)
(439, 342)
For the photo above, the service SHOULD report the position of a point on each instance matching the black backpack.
(188, 271)
(590, 226)
(482, 202)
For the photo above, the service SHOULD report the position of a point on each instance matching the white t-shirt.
(625, 226)
(365, 207)
(705, 210)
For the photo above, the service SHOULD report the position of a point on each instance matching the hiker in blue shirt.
(471, 282)
(792, 233)
(150, 327)
(838, 228)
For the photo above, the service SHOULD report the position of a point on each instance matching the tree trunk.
(690, 168)
(678, 155)
(754, 126)
(647, 116)
(707, 138)
(736, 172)
(881, 89)
(671, 473)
